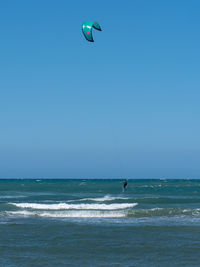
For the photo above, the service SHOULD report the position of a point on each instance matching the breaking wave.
(128, 213)
(102, 199)
(65, 206)
(68, 214)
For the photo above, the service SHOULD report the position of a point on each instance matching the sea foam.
(102, 199)
(66, 206)
(69, 214)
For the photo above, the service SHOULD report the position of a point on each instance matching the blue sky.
(126, 105)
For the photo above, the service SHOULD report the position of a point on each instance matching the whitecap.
(104, 198)
(66, 206)
(69, 214)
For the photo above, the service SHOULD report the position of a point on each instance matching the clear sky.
(127, 105)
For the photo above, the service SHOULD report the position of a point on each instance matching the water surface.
(94, 223)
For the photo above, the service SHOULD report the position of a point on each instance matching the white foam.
(65, 206)
(102, 199)
(69, 214)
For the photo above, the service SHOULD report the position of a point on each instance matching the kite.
(87, 29)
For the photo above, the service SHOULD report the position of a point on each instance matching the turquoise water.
(93, 223)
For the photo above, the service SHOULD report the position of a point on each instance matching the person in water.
(125, 183)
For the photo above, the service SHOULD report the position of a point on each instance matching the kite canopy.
(87, 29)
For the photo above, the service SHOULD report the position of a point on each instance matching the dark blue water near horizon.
(92, 222)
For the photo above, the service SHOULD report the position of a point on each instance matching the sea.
(92, 222)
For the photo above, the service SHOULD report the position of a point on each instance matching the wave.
(102, 199)
(12, 196)
(163, 212)
(65, 206)
(166, 200)
(135, 214)
(68, 214)
(153, 213)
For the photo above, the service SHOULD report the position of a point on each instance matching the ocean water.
(55, 222)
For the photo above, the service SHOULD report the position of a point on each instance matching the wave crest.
(66, 206)
(68, 214)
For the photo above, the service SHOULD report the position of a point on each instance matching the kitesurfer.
(125, 183)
